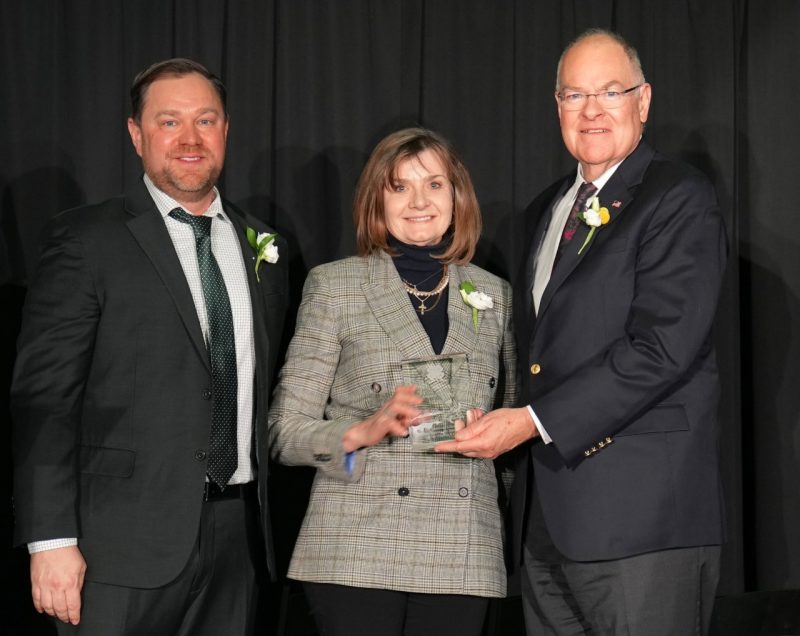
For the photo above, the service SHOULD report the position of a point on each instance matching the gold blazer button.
(535, 369)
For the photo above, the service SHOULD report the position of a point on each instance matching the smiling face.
(419, 207)
(600, 138)
(181, 138)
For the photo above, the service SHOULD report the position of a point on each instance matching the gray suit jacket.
(404, 520)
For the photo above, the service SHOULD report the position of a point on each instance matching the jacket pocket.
(665, 418)
(111, 462)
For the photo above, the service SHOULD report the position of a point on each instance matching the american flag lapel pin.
(616, 204)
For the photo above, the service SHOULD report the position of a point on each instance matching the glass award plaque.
(440, 411)
(434, 426)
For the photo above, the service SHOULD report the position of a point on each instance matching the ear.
(135, 132)
(645, 93)
(558, 104)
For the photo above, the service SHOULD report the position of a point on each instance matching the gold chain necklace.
(422, 296)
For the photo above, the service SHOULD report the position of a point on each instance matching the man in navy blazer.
(617, 507)
(115, 392)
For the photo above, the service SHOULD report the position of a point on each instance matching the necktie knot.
(200, 224)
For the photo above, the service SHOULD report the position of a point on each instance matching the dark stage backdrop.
(313, 85)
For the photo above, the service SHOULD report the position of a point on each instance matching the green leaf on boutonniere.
(252, 238)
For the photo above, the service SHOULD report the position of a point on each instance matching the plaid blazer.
(402, 519)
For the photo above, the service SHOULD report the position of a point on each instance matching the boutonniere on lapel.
(594, 216)
(478, 301)
(264, 246)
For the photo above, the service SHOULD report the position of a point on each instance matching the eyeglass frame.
(627, 91)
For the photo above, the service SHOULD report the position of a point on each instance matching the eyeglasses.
(572, 100)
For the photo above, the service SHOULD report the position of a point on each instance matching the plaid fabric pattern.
(355, 328)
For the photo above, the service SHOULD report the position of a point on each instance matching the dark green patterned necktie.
(222, 456)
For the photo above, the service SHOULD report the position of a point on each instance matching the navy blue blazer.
(620, 369)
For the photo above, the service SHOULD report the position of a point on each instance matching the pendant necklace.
(423, 296)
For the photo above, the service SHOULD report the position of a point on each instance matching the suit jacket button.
(376, 388)
(199, 455)
(463, 492)
(535, 369)
(403, 492)
(492, 382)
(206, 394)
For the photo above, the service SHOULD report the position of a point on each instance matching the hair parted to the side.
(379, 174)
(630, 52)
(174, 67)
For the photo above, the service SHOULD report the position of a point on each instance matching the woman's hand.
(391, 420)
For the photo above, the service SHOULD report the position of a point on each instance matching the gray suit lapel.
(393, 311)
(149, 230)
(461, 335)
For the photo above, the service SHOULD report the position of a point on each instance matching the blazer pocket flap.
(112, 462)
(661, 419)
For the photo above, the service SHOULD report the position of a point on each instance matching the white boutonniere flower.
(594, 216)
(478, 301)
(264, 246)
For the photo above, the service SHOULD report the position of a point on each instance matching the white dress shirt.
(543, 263)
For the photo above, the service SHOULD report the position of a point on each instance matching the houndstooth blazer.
(402, 519)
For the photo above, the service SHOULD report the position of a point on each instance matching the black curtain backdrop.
(314, 84)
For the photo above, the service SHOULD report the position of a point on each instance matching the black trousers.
(340, 610)
(216, 593)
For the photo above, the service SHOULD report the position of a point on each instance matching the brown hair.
(175, 67)
(378, 175)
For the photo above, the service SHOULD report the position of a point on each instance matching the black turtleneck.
(417, 267)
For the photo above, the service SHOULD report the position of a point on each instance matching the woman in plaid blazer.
(398, 540)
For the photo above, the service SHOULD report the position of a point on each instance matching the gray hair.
(630, 52)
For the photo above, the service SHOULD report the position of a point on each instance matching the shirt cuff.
(542, 432)
(50, 544)
(350, 462)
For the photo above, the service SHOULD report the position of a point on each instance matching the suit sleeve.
(678, 269)
(298, 431)
(53, 361)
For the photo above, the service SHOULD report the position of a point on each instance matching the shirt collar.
(166, 203)
(601, 180)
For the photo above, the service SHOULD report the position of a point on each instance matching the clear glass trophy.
(437, 379)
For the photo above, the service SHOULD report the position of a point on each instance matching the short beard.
(192, 188)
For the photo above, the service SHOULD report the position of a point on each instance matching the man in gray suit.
(620, 530)
(141, 387)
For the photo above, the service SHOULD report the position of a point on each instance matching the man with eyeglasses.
(617, 509)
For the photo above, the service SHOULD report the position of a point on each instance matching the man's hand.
(56, 582)
(493, 434)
